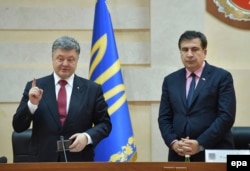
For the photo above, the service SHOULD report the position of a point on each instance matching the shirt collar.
(69, 80)
(197, 72)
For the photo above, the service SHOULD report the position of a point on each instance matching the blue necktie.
(191, 90)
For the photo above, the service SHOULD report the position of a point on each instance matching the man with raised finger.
(63, 104)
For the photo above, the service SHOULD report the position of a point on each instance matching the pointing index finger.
(34, 83)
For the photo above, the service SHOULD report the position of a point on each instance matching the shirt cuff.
(32, 107)
(171, 145)
(89, 138)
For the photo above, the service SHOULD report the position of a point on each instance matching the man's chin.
(64, 75)
(190, 67)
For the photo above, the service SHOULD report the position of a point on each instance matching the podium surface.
(108, 166)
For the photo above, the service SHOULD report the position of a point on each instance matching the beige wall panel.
(48, 3)
(14, 82)
(69, 18)
(227, 46)
(159, 150)
(22, 54)
(242, 82)
(72, 3)
(6, 112)
(140, 114)
(42, 36)
(46, 18)
(24, 36)
(169, 19)
(144, 84)
(134, 53)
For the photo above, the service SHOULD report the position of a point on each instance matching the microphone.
(3, 159)
(64, 150)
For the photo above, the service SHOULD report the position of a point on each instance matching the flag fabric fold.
(105, 69)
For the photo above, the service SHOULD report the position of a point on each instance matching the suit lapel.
(182, 85)
(76, 99)
(50, 99)
(202, 81)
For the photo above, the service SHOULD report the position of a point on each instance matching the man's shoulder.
(217, 69)
(176, 74)
(85, 81)
(43, 79)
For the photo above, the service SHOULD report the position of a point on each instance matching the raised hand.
(35, 93)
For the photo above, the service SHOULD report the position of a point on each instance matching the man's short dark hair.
(189, 35)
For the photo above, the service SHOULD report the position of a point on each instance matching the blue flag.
(105, 69)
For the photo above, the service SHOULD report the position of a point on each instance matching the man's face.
(65, 62)
(192, 54)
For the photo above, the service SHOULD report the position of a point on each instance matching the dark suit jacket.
(87, 108)
(208, 119)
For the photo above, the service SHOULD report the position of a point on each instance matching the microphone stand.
(64, 151)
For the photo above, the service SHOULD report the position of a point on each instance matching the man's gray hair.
(66, 43)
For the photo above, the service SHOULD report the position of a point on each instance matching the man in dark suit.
(82, 117)
(205, 123)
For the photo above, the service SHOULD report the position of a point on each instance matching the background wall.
(147, 33)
